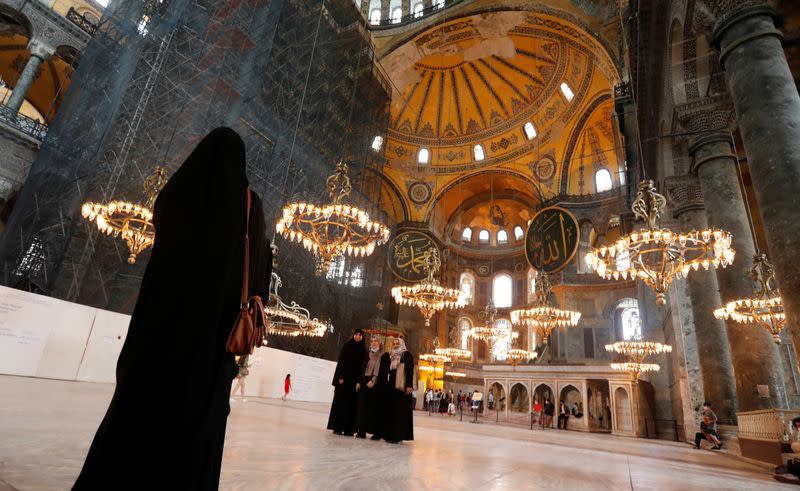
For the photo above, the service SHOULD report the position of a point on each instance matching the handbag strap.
(246, 269)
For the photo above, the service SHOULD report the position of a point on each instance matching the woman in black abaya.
(342, 419)
(397, 379)
(368, 392)
(173, 433)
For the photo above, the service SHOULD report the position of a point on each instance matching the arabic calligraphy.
(552, 239)
(408, 253)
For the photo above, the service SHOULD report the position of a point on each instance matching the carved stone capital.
(683, 194)
(715, 113)
(40, 49)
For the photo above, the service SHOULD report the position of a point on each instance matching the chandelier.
(491, 332)
(543, 317)
(290, 319)
(635, 352)
(428, 295)
(657, 256)
(454, 353)
(517, 355)
(335, 229)
(132, 222)
(765, 309)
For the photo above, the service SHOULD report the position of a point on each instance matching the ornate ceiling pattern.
(477, 80)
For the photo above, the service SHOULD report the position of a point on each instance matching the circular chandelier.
(290, 319)
(491, 332)
(132, 222)
(428, 295)
(657, 256)
(335, 229)
(765, 309)
(434, 358)
(543, 317)
(634, 354)
(454, 353)
(518, 355)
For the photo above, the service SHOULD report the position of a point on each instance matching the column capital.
(732, 16)
(40, 49)
(684, 194)
(714, 113)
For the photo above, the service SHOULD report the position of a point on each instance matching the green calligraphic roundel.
(552, 239)
(407, 253)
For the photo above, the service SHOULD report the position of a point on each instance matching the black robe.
(168, 414)
(349, 368)
(368, 404)
(397, 420)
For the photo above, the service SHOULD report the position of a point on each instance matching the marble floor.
(46, 427)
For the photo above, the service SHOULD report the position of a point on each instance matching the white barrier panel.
(49, 338)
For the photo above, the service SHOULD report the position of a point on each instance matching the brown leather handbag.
(250, 327)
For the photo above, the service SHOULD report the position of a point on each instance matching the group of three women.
(373, 391)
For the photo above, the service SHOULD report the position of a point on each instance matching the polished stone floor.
(46, 427)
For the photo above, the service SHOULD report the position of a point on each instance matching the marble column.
(406, 6)
(756, 360)
(625, 112)
(39, 53)
(385, 10)
(768, 109)
(713, 350)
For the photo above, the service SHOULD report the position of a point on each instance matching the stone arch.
(622, 410)
(571, 395)
(13, 17)
(519, 401)
(499, 392)
(544, 391)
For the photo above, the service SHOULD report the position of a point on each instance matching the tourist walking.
(287, 386)
(187, 304)
(368, 390)
(708, 429)
(342, 419)
(563, 415)
(548, 410)
(491, 400)
(243, 370)
(537, 412)
(397, 380)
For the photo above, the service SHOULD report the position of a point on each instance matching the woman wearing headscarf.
(188, 302)
(349, 368)
(367, 388)
(397, 379)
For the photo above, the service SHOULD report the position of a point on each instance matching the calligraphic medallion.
(552, 239)
(407, 254)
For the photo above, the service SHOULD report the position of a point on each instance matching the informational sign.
(407, 254)
(552, 239)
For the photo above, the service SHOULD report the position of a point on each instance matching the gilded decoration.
(408, 252)
(552, 239)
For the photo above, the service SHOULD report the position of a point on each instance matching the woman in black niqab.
(344, 409)
(166, 420)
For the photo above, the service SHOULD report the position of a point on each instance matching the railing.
(773, 425)
(81, 21)
(389, 23)
(22, 123)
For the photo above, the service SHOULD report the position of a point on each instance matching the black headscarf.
(351, 359)
(170, 405)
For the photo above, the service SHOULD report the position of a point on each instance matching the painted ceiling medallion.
(419, 192)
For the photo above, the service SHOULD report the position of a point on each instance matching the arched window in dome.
(501, 346)
(502, 290)
(627, 320)
(483, 236)
(567, 91)
(464, 325)
(419, 9)
(375, 17)
(377, 143)
(502, 237)
(467, 286)
(602, 180)
(438, 3)
(530, 131)
(424, 156)
(531, 285)
(397, 15)
(466, 235)
(518, 232)
(478, 153)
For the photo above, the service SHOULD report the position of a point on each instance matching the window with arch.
(502, 290)
(518, 232)
(483, 236)
(501, 346)
(424, 156)
(531, 285)
(375, 17)
(478, 153)
(464, 325)
(602, 180)
(502, 237)
(377, 143)
(419, 9)
(397, 15)
(467, 286)
(567, 91)
(438, 3)
(530, 130)
(466, 234)
(629, 320)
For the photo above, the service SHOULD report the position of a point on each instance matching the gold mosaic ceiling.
(478, 80)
